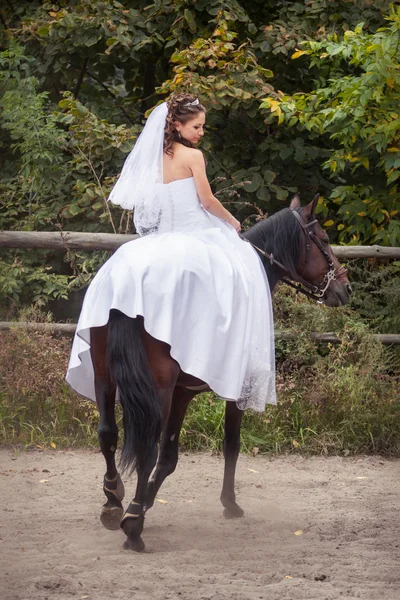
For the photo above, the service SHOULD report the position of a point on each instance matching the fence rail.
(75, 240)
(68, 329)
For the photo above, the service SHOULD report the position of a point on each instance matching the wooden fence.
(68, 329)
(66, 240)
(111, 241)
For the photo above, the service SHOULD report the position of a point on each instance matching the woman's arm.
(207, 198)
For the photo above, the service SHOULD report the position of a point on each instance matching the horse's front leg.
(233, 421)
(168, 456)
(112, 510)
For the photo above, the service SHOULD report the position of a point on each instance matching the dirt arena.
(322, 528)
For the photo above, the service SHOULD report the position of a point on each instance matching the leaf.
(269, 176)
(253, 471)
(328, 223)
(190, 19)
(265, 46)
(299, 53)
(254, 184)
(295, 443)
(286, 151)
(43, 31)
(298, 532)
(80, 185)
(43, 481)
(393, 176)
(263, 194)
(53, 445)
(161, 501)
(74, 210)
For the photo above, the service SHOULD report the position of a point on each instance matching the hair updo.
(180, 108)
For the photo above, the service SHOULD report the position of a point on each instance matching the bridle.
(315, 292)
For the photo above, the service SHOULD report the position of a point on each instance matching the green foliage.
(36, 406)
(341, 399)
(356, 107)
(77, 78)
(35, 139)
(377, 295)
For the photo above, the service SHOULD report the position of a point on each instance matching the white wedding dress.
(201, 289)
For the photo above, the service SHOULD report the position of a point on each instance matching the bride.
(188, 273)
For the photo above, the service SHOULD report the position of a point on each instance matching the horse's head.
(316, 263)
(293, 246)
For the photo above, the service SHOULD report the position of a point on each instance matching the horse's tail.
(129, 370)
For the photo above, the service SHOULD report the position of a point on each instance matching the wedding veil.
(136, 188)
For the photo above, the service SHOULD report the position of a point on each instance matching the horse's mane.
(279, 235)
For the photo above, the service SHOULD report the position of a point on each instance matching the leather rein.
(315, 292)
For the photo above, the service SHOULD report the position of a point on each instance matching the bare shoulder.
(186, 151)
(194, 156)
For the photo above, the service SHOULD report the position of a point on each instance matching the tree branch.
(112, 95)
(11, 7)
(3, 21)
(80, 78)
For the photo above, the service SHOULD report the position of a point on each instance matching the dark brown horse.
(155, 393)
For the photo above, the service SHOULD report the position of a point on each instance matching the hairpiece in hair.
(194, 103)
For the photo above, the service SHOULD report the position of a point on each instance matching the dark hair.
(182, 109)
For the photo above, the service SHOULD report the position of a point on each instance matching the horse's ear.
(295, 202)
(314, 204)
(309, 210)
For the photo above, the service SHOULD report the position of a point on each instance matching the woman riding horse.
(184, 309)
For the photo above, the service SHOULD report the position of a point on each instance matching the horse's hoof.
(111, 516)
(233, 512)
(135, 544)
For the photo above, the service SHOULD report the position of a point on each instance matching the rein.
(315, 292)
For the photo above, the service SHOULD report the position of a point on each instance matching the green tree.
(356, 107)
(77, 78)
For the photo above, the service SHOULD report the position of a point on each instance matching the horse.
(155, 393)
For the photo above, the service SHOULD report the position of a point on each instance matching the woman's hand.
(235, 223)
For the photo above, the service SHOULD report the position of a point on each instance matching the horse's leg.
(168, 456)
(133, 520)
(165, 373)
(113, 487)
(233, 421)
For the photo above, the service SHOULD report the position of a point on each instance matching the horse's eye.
(325, 241)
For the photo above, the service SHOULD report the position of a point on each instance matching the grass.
(340, 399)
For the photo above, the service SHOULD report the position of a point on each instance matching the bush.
(36, 405)
(340, 398)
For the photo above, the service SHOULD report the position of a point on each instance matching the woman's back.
(177, 166)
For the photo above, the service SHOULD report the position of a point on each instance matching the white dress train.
(201, 289)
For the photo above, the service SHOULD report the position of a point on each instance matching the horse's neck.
(273, 272)
(273, 275)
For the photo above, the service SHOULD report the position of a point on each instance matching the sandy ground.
(346, 513)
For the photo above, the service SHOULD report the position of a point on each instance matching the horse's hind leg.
(132, 522)
(168, 457)
(112, 511)
(165, 373)
(233, 421)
